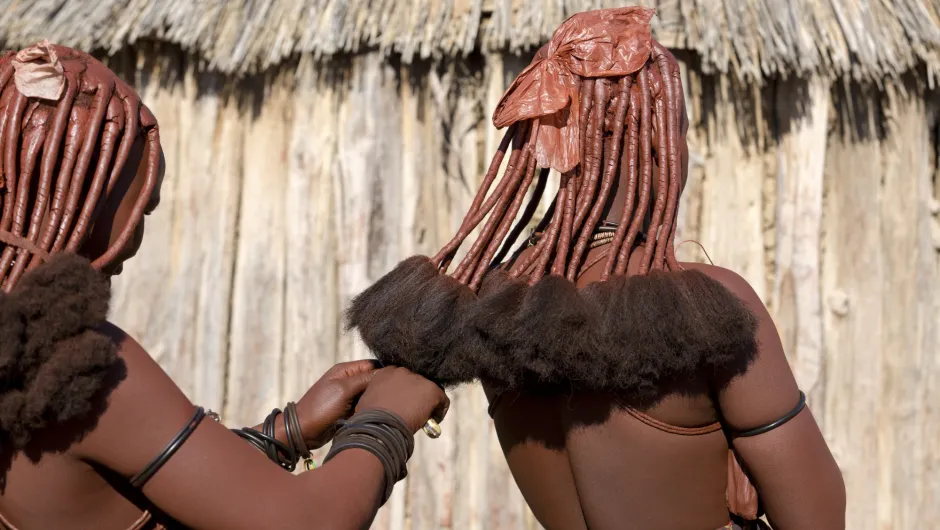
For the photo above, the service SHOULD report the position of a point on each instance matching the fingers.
(391, 371)
(357, 384)
(442, 407)
(412, 397)
(353, 368)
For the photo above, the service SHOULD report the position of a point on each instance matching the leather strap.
(774, 424)
(673, 429)
(14, 240)
(141, 478)
(141, 523)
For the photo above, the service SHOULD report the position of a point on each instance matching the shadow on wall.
(935, 137)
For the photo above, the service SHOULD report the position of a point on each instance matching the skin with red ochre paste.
(80, 174)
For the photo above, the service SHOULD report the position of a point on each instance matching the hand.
(331, 399)
(413, 398)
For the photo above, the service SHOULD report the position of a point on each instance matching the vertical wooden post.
(854, 281)
(204, 231)
(802, 109)
(688, 226)
(732, 194)
(184, 269)
(932, 419)
(910, 381)
(367, 169)
(311, 313)
(255, 375)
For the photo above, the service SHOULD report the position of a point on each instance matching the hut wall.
(289, 193)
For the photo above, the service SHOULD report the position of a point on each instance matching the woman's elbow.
(826, 506)
(813, 498)
(837, 497)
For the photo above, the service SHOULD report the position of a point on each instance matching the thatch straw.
(864, 39)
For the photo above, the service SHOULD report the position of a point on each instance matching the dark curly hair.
(53, 358)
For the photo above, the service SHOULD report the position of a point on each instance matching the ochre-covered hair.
(615, 127)
(67, 126)
(592, 106)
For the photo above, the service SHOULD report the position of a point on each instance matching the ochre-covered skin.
(583, 461)
(82, 406)
(575, 344)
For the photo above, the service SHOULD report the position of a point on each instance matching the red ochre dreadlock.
(588, 106)
(627, 105)
(50, 202)
(580, 200)
(68, 126)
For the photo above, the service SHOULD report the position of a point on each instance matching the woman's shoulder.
(130, 352)
(137, 396)
(141, 374)
(55, 362)
(126, 344)
(730, 280)
(767, 388)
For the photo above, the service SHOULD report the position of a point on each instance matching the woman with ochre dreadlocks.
(618, 377)
(93, 434)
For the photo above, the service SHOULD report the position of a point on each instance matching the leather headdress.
(603, 43)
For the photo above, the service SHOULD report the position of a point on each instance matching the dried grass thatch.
(864, 39)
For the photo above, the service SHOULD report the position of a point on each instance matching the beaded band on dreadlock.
(611, 162)
(98, 117)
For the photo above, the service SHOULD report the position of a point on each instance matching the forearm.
(216, 481)
(821, 504)
(348, 490)
(344, 493)
(213, 479)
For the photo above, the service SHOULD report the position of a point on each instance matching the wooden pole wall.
(289, 193)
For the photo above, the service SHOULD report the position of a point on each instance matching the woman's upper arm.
(216, 480)
(796, 476)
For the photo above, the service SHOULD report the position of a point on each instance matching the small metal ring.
(432, 429)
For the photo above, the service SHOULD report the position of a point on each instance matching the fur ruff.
(640, 337)
(53, 359)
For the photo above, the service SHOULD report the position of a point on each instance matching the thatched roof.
(867, 39)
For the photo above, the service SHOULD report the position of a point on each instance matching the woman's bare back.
(583, 462)
(588, 461)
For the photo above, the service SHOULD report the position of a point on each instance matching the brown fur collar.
(640, 337)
